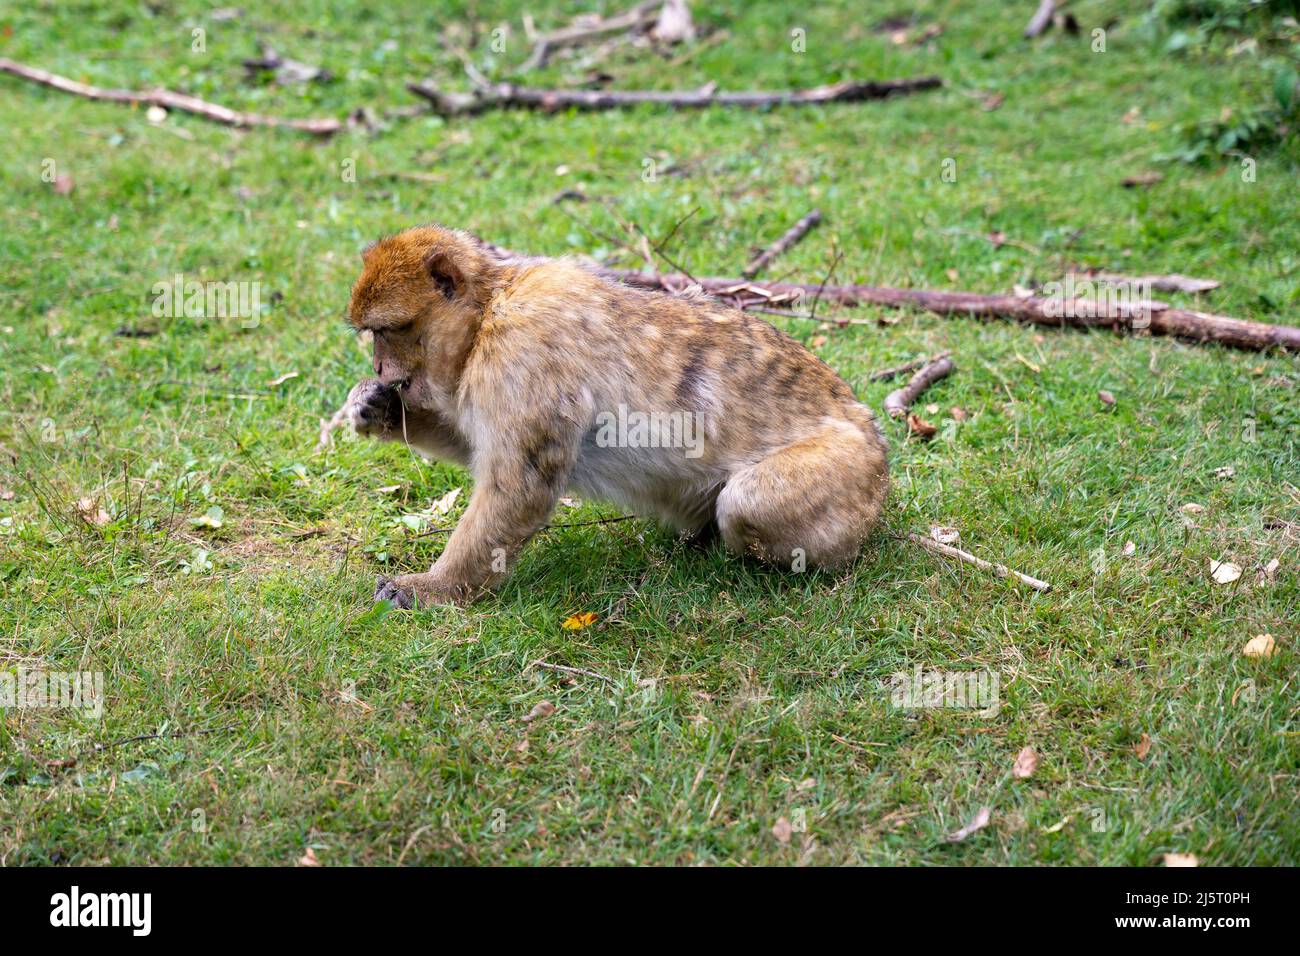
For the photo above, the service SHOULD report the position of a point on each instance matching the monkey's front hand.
(373, 408)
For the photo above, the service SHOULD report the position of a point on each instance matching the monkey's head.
(422, 293)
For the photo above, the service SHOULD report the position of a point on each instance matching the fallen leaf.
(932, 409)
(63, 184)
(1057, 827)
(952, 274)
(806, 784)
(977, 822)
(62, 763)
(1143, 746)
(919, 426)
(1130, 549)
(445, 503)
(6, 494)
(522, 746)
(577, 622)
(782, 830)
(92, 513)
(1181, 859)
(945, 535)
(958, 413)
(818, 341)
(388, 489)
(542, 710)
(211, 518)
(309, 858)
(992, 101)
(1261, 645)
(1192, 508)
(571, 502)
(1025, 765)
(1106, 397)
(1224, 572)
(1224, 473)
(283, 378)
(1267, 574)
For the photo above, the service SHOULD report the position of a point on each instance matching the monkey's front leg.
(511, 501)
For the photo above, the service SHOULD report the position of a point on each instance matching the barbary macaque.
(543, 378)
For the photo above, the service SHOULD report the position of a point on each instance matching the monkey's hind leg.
(809, 504)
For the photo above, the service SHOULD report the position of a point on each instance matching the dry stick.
(502, 95)
(640, 17)
(1041, 19)
(911, 366)
(792, 235)
(169, 100)
(1000, 570)
(1162, 283)
(570, 670)
(1158, 319)
(899, 400)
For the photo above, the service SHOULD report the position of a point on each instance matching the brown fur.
(516, 368)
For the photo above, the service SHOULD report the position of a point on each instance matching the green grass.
(735, 695)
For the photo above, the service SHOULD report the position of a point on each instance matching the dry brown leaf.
(919, 426)
(542, 710)
(1181, 859)
(92, 513)
(1130, 549)
(992, 101)
(977, 822)
(1267, 574)
(1192, 508)
(1261, 645)
(1025, 765)
(446, 502)
(818, 341)
(782, 830)
(1106, 397)
(958, 413)
(1224, 572)
(309, 858)
(1143, 746)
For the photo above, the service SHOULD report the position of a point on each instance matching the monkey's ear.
(446, 274)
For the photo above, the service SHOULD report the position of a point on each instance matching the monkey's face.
(418, 293)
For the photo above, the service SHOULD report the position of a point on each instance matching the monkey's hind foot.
(386, 589)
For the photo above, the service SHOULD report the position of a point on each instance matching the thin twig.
(1000, 570)
(569, 670)
(788, 239)
(167, 99)
(912, 366)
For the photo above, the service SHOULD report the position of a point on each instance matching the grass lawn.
(221, 574)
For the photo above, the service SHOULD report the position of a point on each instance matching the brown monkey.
(541, 377)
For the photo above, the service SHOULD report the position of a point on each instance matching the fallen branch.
(1152, 317)
(1041, 19)
(504, 95)
(168, 99)
(900, 400)
(1000, 570)
(792, 236)
(912, 366)
(641, 17)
